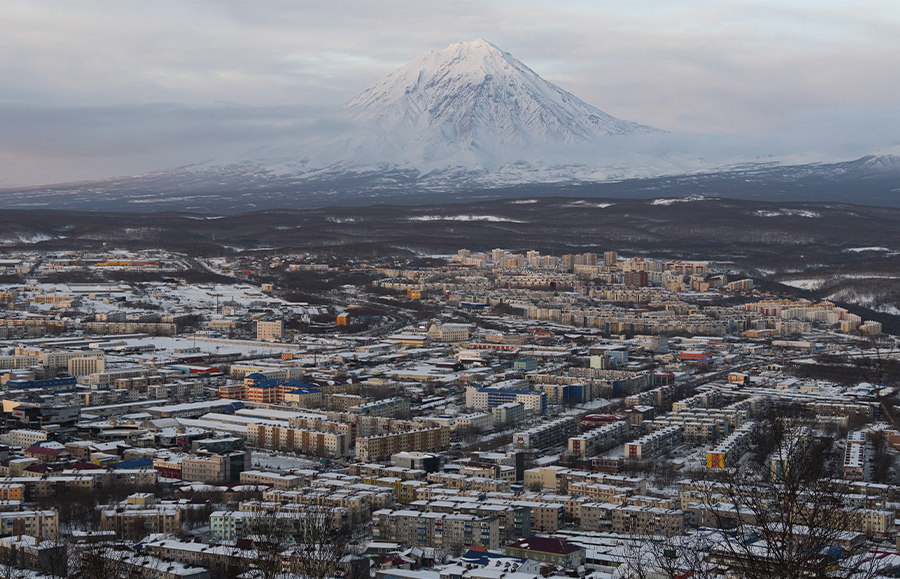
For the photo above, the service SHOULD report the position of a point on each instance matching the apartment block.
(544, 477)
(477, 421)
(360, 502)
(234, 525)
(658, 397)
(546, 435)
(43, 523)
(133, 524)
(469, 483)
(388, 407)
(272, 330)
(216, 468)
(275, 480)
(437, 530)
(606, 517)
(509, 413)
(727, 452)
(599, 439)
(655, 444)
(514, 518)
(854, 461)
(48, 558)
(311, 442)
(488, 398)
(449, 333)
(382, 447)
(85, 366)
(25, 437)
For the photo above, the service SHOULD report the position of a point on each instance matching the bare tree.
(229, 562)
(456, 549)
(441, 556)
(660, 557)
(270, 537)
(58, 555)
(100, 560)
(12, 563)
(324, 548)
(779, 514)
(469, 434)
(310, 542)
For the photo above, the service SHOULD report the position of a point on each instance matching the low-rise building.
(278, 481)
(215, 468)
(550, 551)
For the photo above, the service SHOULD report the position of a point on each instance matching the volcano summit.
(473, 97)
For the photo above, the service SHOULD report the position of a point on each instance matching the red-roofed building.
(546, 550)
(398, 561)
(45, 454)
(39, 469)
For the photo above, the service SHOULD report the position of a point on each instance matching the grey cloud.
(43, 143)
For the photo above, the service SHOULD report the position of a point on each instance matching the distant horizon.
(103, 90)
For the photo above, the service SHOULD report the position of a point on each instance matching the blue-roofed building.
(481, 559)
(231, 408)
(261, 388)
(136, 463)
(55, 384)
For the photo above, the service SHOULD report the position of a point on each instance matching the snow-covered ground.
(670, 201)
(281, 463)
(807, 284)
(101, 298)
(491, 218)
(787, 213)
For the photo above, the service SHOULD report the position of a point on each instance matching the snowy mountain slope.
(879, 162)
(473, 115)
(474, 97)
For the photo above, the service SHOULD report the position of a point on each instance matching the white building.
(25, 437)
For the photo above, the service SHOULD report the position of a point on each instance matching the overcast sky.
(97, 89)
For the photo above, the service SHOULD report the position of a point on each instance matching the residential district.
(482, 415)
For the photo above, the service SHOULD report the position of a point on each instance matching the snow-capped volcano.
(476, 100)
(473, 118)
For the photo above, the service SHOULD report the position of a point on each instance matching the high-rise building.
(514, 260)
(610, 258)
(636, 278)
(270, 330)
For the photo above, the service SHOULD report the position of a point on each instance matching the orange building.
(11, 492)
